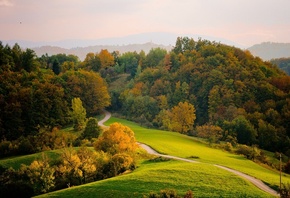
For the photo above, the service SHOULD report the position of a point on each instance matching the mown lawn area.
(176, 144)
(204, 180)
(15, 162)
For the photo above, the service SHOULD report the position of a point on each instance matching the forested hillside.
(233, 96)
(37, 93)
(199, 88)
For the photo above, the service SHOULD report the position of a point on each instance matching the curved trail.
(249, 178)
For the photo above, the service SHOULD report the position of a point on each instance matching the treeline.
(236, 97)
(282, 63)
(37, 93)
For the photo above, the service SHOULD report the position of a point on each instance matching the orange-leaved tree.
(117, 139)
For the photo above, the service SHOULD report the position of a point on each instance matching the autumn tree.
(40, 174)
(78, 114)
(183, 117)
(116, 139)
(107, 60)
(90, 87)
(210, 132)
(92, 62)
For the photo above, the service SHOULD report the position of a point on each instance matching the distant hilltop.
(81, 52)
(269, 50)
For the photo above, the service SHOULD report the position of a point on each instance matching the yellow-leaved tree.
(117, 139)
(182, 117)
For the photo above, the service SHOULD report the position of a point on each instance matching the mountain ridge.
(271, 50)
(81, 52)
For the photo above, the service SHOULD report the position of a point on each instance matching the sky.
(246, 22)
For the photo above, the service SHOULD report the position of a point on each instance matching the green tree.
(78, 114)
(246, 133)
(56, 67)
(92, 129)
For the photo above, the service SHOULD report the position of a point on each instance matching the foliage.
(92, 130)
(228, 87)
(36, 93)
(117, 139)
(78, 114)
(183, 117)
(210, 132)
(282, 63)
(89, 87)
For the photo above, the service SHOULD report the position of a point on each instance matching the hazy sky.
(246, 22)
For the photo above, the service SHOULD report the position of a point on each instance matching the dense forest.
(237, 97)
(197, 84)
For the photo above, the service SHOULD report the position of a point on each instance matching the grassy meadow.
(176, 144)
(203, 180)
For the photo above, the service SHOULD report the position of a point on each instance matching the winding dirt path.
(249, 178)
(107, 117)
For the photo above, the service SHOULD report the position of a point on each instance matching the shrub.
(169, 193)
(285, 191)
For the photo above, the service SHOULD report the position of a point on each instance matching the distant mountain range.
(81, 52)
(269, 50)
(144, 41)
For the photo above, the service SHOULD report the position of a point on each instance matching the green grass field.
(184, 146)
(203, 180)
(15, 162)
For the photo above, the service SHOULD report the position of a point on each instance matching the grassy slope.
(203, 179)
(185, 146)
(15, 162)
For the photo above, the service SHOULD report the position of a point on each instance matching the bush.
(120, 163)
(170, 193)
(285, 191)
(252, 153)
(227, 146)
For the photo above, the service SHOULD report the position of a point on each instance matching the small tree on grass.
(117, 139)
(78, 114)
(92, 129)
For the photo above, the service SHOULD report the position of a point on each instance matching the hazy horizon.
(244, 23)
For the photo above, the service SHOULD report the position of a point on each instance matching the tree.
(107, 60)
(92, 129)
(117, 139)
(211, 132)
(40, 174)
(246, 133)
(90, 87)
(92, 62)
(56, 67)
(183, 117)
(154, 57)
(78, 114)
